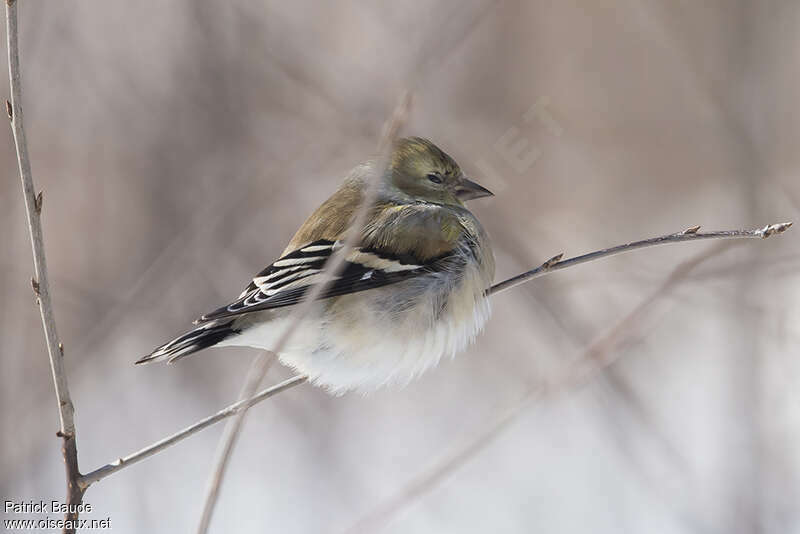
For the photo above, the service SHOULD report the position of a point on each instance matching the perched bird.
(412, 291)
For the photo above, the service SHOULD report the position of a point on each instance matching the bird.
(412, 290)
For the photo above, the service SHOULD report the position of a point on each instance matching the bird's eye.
(435, 178)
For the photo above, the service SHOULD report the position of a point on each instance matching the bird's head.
(421, 170)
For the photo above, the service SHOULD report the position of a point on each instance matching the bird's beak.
(468, 190)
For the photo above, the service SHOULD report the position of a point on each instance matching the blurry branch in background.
(331, 269)
(77, 484)
(598, 353)
(41, 284)
(597, 356)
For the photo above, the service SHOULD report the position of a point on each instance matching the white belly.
(377, 337)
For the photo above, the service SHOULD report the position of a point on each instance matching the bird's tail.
(204, 336)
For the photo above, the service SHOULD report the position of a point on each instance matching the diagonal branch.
(77, 483)
(332, 267)
(549, 266)
(109, 469)
(596, 356)
(40, 283)
(690, 234)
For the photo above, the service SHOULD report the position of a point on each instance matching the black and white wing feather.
(287, 280)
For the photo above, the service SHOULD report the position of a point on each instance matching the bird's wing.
(287, 280)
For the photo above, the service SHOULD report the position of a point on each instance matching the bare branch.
(258, 369)
(40, 284)
(690, 234)
(109, 469)
(331, 269)
(77, 483)
(594, 351)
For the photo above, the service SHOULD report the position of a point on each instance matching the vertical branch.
(258, 369)
(40, 283)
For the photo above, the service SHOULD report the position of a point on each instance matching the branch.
(546, 268)
(332, 267)
(596, 356)
(690, 234)
(41, 284)
(77, 483)
(109, 469)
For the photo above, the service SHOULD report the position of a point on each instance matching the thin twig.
(150, 450)
(594, 349)
(76, 483)
(259, 368)
(40, 284)
(690, 234)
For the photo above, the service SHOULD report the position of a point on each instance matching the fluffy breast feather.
(379, 337)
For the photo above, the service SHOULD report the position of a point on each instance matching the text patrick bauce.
(45, 507)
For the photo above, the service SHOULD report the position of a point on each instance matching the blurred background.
(180, 143)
